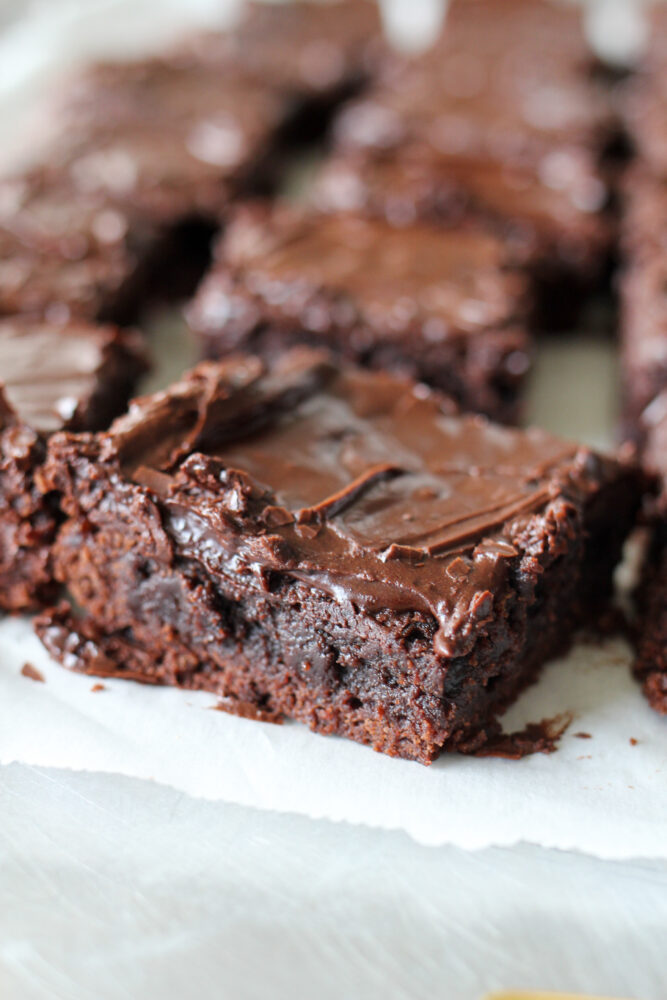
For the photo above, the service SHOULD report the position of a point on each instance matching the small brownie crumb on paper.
(33, 673)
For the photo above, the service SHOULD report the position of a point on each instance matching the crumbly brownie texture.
(444, 308)
(332, 545)
(72, 376)
(146, 158)
(650, 664)
(28, 519)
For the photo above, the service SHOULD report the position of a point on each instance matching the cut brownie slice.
(74, 376)
(650, 664)
(441, 306)
(68, 253)
(555, 227)
(312, 51)
(331, 544)
(643, 295)
(643, 299)
(170, 136)
(644, 97)
(508, 81)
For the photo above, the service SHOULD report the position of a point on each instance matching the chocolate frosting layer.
(359, 483)
(66, 376)
(343, 269)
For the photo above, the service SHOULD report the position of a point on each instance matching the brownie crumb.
(98, 687)
(583, 736)
(246, 710)
(536, 737)
(33, 673)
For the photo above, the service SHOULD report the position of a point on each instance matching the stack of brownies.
(320, 520)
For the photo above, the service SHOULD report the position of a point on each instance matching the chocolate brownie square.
(309, 50)
(643, 295)
(643, 300)
(508, 81)
(170, 135)
(559, 230)
(644, 97)
(650, 664)
(67, 253)
(443, 307)
(53, 377)
(331, 544)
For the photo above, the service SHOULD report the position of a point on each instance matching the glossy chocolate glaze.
(67, 376)
(359, 484)
(393, 279)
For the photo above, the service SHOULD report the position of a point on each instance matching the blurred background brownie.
(444, 307)
(559, 233)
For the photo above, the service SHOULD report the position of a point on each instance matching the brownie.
(66, 253)
(330, 544)
(53, 377)
(444, 307)
(650, 665)
(310, 50)
(556, 229)
(508, 81)
(643, 295)
(644, 97)
(170, 135)
(644, 336)
(643, 301)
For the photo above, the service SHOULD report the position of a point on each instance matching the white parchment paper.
(605, 794)
(601, 794)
